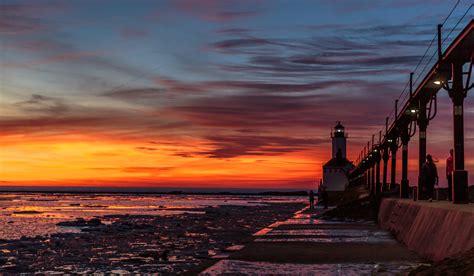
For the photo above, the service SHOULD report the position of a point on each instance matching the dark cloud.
(375, 31)
(146, 148)
(150, 170)
(267, 112)
(18, 19)
(43, 115)
(233, 146)
(233, 31)
(328, 49)
(49, 124)
(168, 85)
(243, 42)
(43, 105)
(358, 62)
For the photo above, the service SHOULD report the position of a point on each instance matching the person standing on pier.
(311, 199)
(430, 175)
(449, 174)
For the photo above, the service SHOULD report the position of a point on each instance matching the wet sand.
(140, 244)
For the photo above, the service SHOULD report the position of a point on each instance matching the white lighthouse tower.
(336, 171)
(338, 141)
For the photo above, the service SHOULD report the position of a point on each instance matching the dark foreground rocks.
(139, 244)
(80, 222)
(365, 208)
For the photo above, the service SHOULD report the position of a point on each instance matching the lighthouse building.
(336, 171)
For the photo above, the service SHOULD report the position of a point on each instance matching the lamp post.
(458, 93)
(377, 158)
(385, 157)
(393, 169)
(373, 165)
(406, 133)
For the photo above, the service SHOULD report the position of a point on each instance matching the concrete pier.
(306, 245)
(435, 230)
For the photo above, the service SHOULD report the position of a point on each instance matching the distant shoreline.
(150, 191)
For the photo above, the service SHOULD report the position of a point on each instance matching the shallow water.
(37, 214)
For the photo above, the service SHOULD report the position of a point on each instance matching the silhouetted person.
(311, 199)
(449, 174)
(430, 176)
(325, 197)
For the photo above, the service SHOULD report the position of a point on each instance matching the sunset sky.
(228, 94)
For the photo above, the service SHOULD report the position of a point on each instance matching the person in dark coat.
(449, 174)
(311, 199)
(430, 176)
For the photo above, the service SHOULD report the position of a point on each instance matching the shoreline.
(267, 193)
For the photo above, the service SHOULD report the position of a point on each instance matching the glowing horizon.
(222, 94)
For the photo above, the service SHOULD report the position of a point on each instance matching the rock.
(27, 212)
(80, 222)
(164, 255)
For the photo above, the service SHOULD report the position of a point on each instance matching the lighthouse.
(338, 141)
(336, 170)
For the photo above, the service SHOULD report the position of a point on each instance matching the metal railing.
(453, 24)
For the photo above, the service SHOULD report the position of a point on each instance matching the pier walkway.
(305, 244)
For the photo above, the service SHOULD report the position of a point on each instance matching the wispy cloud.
(214, 11)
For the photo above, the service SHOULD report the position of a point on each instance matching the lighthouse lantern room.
(336, 170)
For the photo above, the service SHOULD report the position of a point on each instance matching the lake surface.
(38, 213)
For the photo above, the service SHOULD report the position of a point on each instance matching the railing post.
(393, 170)
(377, 171)
(460, 189)
(422, 122)
(404, 183)
(373, 184)
(385, 158)
(368, 177)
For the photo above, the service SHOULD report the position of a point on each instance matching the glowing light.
(437, 82)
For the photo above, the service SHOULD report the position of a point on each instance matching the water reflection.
(37, 214)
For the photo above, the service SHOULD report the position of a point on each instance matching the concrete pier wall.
(434, 230)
